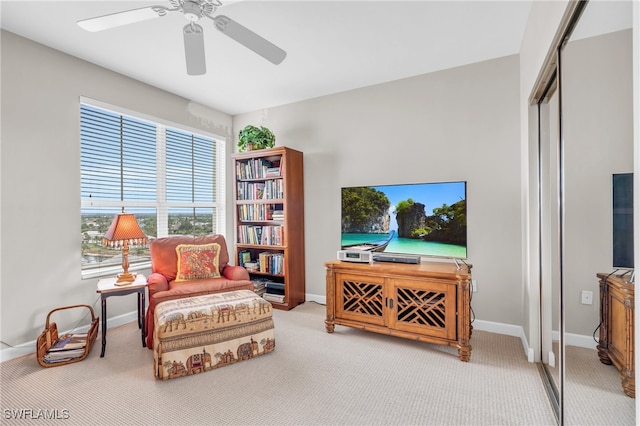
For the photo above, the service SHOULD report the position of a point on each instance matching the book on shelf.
(244, 257)
(273, 297)
(272, 285)
(251, 266)
(272, 171)
(275, 291)
(259, 286)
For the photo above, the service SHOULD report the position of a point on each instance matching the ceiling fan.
(192, 10)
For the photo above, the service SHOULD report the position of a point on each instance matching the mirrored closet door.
(585, 137)
(596, 87)
(549, 219)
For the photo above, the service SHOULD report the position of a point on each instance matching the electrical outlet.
(587, 297)
(474, 286)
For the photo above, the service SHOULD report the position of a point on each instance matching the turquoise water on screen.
(408, 245)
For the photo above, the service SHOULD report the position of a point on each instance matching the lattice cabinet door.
(360, 298)
(424, 307)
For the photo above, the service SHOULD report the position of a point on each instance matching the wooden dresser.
(429, 301)
(616, 328)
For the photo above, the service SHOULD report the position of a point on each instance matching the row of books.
(267, 262)
(259, 212)
(257, 168)
(271, 263)
(260, 235)
(66, 348)
(269, 190)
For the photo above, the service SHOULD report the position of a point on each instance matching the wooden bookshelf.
(269, 219)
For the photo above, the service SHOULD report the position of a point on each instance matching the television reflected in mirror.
(424, 219)
(623, 220)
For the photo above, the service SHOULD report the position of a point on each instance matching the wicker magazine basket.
(49, 337)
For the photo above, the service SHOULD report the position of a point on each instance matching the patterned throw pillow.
(198, 261)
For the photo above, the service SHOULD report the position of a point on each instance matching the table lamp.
(123, 232)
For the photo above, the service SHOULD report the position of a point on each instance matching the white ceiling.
(332, 46)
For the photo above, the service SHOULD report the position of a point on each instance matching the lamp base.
(125, 279)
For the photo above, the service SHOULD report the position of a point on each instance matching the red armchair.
(164, 269)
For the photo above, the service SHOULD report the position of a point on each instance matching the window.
(172, 179)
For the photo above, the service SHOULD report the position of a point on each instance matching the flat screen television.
(623, 220)
(425, 219)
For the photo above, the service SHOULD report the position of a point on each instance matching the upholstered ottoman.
(200, 333)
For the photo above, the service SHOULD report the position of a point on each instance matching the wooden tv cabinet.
(429, 301)
(616, 328)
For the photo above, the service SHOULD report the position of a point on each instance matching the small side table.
(107, 287)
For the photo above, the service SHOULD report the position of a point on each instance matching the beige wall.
(598, 138)
(40, 179)
(458, 124)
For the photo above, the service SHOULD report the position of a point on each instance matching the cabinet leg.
(464, 352)
(602, 354)
(629, 383)
(329, 325)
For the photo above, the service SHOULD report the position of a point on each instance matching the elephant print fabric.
(202, 333)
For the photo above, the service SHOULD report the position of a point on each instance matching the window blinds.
(118, 157)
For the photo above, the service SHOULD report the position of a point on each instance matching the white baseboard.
(492, 327)
(501, 328)
(7, 354)
(509, 330)
(321, 299)
(579, 340)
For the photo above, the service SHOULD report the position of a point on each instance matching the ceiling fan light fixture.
(191, 10)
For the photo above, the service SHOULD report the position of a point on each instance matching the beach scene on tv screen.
(421, 219)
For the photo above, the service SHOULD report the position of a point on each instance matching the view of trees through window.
(95, 225)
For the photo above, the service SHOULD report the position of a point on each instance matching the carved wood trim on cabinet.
(429, 301)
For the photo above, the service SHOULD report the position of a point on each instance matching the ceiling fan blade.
(194, 49)
(121, 18)
(249, 39)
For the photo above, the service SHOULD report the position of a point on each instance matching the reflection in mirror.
(549, 253)
(597, 142)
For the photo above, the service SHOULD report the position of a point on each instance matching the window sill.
(113, 270)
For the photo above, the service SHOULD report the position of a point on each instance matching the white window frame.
(161, 204)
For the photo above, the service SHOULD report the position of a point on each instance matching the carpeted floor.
(350, 377)
(593, 391)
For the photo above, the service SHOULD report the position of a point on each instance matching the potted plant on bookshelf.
(253, 137)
